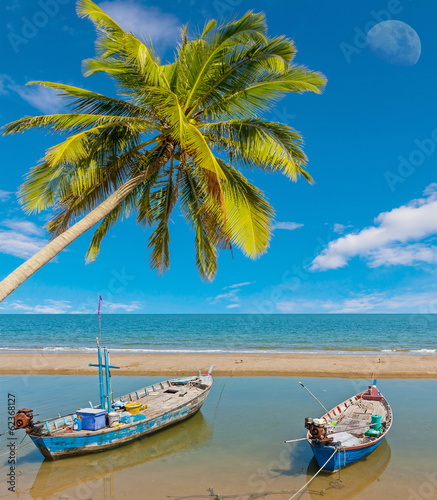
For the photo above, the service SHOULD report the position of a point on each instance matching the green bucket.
(376, 422)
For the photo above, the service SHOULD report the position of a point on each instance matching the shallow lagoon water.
(233, 447)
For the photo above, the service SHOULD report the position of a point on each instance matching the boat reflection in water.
(354, 479)
(56, 476)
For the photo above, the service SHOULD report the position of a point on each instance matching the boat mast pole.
(108, 384)
(100, 321)
(111, 396)
(102, 393)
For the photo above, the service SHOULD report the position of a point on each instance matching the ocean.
(234, 333)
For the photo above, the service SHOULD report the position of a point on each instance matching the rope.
(316, 474)
(221, 392)
(223, 385)
(359, 427)
(18, 446)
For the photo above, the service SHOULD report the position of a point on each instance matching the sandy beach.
(315, 365)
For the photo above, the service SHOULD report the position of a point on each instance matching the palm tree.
(179, 134)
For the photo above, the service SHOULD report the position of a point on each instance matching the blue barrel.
(376, 419)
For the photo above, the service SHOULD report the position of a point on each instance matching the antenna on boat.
(313, 396)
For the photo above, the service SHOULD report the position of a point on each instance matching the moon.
(394, 42)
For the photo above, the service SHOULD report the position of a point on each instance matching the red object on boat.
(372, 394)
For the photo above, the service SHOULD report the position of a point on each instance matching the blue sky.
(361, 239)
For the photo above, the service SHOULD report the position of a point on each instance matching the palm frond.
(76, 123)
(79, 190)
(160, 210)
(259, 89)
(250, 28)
(266, 145)
(91, 102)
(207, 226)
(240, 66)
(249, 216)
(119, 49)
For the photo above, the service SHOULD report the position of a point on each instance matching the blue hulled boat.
(350, 431)
(115, 423)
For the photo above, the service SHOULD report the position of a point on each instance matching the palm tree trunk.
(46, 254)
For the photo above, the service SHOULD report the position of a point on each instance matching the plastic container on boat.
(77, 424)
(133, 408)
(93, 419)
(376, 419)
(113, 418)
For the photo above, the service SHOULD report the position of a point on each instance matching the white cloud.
(239, 285)
(4, 195)
(232, 295)
(358, 305)
(146, 22)
(23, 226)
(304, 305)
(372, 302)
(340, 228)
(406, 255)
(422, 302)
(52, 307)
(64, 307)
(19, 245)
(23, 238)
(112, 306)
(287, 306)
(390, 235)
(41, 98)
(291, 226)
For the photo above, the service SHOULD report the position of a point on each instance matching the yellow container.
(134, 408)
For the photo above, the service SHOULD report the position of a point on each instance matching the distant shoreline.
(404, 366)
(236, 352)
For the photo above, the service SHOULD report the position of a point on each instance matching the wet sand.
(242, 365)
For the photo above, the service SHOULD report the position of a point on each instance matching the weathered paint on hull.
(344, 457)
(58, 447)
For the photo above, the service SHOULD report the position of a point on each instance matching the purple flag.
(100, 301)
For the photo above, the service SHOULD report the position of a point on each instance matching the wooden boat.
(167, 403)
(341, 436)
(54, 477)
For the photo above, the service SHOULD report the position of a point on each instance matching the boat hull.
(352, 415)
(344, 456)
(58, 447)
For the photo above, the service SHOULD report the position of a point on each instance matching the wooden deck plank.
(158, 403)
